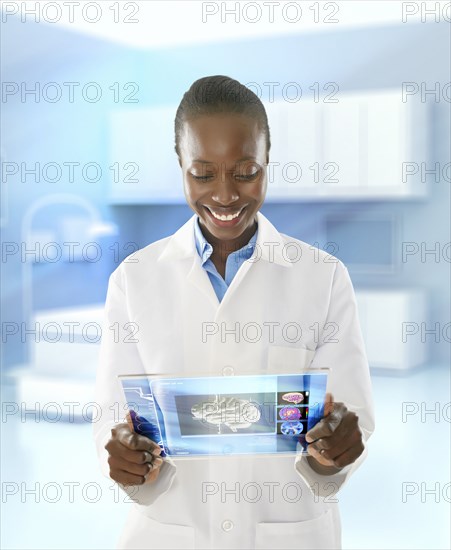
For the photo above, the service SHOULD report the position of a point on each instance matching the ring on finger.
(148, 457)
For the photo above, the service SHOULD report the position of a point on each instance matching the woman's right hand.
(134, 459)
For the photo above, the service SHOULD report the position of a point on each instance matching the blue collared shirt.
(233, 263)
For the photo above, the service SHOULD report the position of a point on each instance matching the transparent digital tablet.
(195, 417)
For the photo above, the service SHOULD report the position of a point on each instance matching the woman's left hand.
(336, 440)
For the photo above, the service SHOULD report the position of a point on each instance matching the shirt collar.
(269, 245)
(205, 249)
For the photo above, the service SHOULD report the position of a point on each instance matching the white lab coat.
(303, 301)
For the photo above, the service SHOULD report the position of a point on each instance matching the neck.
(222, 248)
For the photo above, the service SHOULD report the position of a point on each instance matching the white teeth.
(225, 218)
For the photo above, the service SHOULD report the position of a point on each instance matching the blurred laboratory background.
(359, 113)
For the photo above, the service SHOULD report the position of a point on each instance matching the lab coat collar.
(269, 245)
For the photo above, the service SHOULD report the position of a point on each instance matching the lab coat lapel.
(232, 289)
(182, 246)
(200, 279)
(269, 248)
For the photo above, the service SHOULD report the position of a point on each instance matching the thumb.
(128, 418)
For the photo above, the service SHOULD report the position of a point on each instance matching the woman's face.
(224, 160)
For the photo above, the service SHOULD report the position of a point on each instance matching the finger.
(140, 442)
(116, 448)
(118, 463)
(136, 442)
(347, 428)
(327, 425)
(346, 436)
(152, 475)
(328, 404)
(349, 456)
(328, 408)
(317, 456)
(125, 478)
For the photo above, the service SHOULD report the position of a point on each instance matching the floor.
(399, 499)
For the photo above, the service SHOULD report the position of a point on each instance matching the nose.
(225, 191)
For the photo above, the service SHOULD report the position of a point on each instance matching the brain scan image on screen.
(291, 428)
(290, 413)
(227, 411)
(226, 414)
(293, 397)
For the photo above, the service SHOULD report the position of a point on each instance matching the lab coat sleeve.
(120, 355)
(349, 380)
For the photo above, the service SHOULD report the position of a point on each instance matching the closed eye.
(245, 177)
(248, 177)
(201, 178)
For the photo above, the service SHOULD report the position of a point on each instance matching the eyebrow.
(210, 162)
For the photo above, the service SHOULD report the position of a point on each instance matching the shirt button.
(227, 525)
(228, 371)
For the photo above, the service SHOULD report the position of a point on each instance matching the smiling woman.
(222, 142)
(227, 267)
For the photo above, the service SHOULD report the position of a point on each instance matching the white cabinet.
(142, 160)
(391, 322)
(295, 130)
(357, 148)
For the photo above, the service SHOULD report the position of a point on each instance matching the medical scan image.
(230, 412)
(300, 397)
(223, 414)
(293, 397)
(291, 428)
(290, 413)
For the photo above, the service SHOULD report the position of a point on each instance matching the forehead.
(222, 136)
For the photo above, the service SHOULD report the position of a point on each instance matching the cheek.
(257, 189)
(192, 192)
(189, 196)
(188, 187)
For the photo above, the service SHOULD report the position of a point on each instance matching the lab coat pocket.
(143, 532)
(289, 359)
(312, 534)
